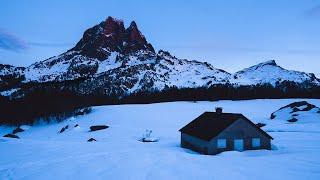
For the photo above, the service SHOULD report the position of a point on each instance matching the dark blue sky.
(230, 34)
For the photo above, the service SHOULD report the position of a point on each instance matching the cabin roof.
(210, 124)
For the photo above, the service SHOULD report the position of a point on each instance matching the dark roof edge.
(191, 121)
(242, 116)
(205, 113)
(259, 129)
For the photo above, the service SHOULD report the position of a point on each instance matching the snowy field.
(44, 153)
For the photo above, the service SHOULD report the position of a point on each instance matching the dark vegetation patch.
(17, 130)
(60, 100)
(149, 140)
(83, 111)
(64, 128)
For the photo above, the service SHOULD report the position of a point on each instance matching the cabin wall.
(241, 129)
(194, 143)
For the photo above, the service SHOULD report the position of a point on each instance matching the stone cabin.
(215, 132)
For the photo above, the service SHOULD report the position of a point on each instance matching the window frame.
(223, 145)
(254, 143)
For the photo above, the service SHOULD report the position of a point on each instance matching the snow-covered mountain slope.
(7, 70)
(109, 46)
(42, 151)
(10, 76)
(111, 58)
(269, 72)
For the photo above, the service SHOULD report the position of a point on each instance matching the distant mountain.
(114, 64)
(269, 72)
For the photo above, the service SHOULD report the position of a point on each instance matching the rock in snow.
(98, 127)
(11, 136)
(293, 111)
(91, 140)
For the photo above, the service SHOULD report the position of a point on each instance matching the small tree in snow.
(146, 137)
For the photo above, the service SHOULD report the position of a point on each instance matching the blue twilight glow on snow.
(229, 34)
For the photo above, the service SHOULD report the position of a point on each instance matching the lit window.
(255, 142)
(222, 143)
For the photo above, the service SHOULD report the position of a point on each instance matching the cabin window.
(222, 143)
(255, 142)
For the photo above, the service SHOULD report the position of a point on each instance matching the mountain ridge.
(112, 64)
(110, 46)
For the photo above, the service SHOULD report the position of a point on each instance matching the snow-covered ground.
(44, 153)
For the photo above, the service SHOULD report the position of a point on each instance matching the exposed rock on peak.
(111, 36)
(113, 27)
(135, 40)
(270, 62)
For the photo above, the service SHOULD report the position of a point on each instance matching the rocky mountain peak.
(270, 62)
(134, 35)
(113, 27)
(111, 36)
(135, 40)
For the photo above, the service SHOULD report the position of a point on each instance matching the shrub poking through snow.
(77, 125)
(272, 116)
(146, 137)
(83, 111)
(91, 140)
(260, 124)
(17, 130)
(11, 136)
(98, 127)
(64, 128)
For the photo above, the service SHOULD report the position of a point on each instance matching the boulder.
(91, 140)
(260, 124)
(11, 136)
(293, 120)
(98, 127)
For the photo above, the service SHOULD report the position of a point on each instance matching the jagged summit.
(113, 27)
(109, 36)
(269, 62)
(261, 65)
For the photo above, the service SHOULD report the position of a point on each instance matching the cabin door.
(238, 145)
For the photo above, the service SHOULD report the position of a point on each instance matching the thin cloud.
(45, 44)
(314, 12)
(11, 42)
